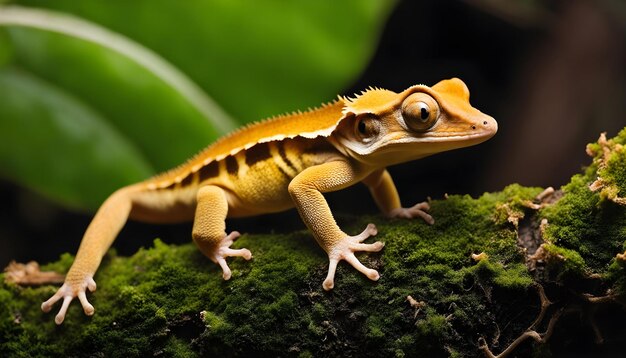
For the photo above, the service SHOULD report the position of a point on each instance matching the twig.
(530, 332)
(30, 275)
(538, 337)
(545, 303)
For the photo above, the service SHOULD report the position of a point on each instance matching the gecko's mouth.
(457, 137)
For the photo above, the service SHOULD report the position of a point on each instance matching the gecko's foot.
(223, 251)
(345, 249)
(417, 210)
(70, 290)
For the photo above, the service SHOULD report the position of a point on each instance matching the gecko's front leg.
(306, 191)
(385, 195)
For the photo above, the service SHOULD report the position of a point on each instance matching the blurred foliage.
(80, 118)
(73, 143)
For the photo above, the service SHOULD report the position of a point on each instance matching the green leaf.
(137, 91)
(6, 48)
(255, 58)
(155, 71)
(56, 145)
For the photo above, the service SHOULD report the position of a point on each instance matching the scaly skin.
(285, 162)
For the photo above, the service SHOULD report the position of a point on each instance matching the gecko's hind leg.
(209, 228)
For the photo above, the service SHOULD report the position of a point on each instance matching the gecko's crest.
(372, 100)
(315, 122)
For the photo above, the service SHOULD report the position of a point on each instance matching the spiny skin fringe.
(168, 177)
(272, 118)
(350, 100)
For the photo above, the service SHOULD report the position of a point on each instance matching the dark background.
(552, 74)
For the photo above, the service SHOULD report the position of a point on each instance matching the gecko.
(285, 162)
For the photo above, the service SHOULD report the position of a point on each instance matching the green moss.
(275, 303)
(610, 158)
(170, 300)
(583, 220)
(177, 347)
(515, 276)
(564, 264)
(514, 200)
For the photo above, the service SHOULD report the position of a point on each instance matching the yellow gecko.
(288, 161)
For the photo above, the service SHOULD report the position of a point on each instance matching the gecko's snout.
(486, 124)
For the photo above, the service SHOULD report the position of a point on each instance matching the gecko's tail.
(103, 229)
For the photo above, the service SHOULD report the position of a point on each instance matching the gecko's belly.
(259, 194)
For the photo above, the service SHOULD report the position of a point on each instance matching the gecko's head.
(382, 127)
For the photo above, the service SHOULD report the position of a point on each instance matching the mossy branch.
(475, 273)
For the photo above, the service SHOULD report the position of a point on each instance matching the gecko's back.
(319, 122)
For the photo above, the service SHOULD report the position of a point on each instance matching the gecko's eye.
(420, 112)
(366, 127)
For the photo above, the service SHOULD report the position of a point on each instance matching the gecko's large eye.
(366, 127)
(420, 112)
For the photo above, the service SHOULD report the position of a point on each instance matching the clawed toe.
(375, 247)
(370, 230)
(370, 273)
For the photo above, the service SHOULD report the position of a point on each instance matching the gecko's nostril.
(484, 123)
(473, 127)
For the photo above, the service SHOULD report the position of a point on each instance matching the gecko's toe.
(223, 251)
(370, 230)
(47, 305)
(91, 284)
(368, 272)
(246, 254)
(417, 210)
(61, 292)
(87, 307)
(373, 275)
(328, 284)
(61, 315)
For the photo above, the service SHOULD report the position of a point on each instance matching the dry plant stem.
(530, 332)
(545, 303)
(30, 275)
(544, 194)
(602, 299)
(538, 337)
(415, 304)
(599, 299)
(542, 338)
